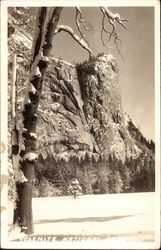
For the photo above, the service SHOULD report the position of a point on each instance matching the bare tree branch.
(78, 39)
(86, 25)
(79, 20)
(113, 16)
(104, 29)
(112, 19)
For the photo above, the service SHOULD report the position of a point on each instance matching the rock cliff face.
(80, 111)
(61, 110)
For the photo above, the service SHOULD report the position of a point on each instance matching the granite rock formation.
(81, 111)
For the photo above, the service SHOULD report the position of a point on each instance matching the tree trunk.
(14, 135)
(46, 23)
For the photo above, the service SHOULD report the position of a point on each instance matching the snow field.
(110, 214)
(121, 217)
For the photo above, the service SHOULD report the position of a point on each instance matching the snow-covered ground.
(125, 217)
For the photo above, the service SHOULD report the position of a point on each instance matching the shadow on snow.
(78, 220)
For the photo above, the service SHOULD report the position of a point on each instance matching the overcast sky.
(136, 72)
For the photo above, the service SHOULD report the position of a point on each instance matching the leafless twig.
(79, 20)
(112, 19)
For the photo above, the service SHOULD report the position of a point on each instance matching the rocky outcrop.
(81, 111)
(102, 104)
(61, 110)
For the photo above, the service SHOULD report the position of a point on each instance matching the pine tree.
(75, 188)
(118, 182)
(103, 176)
(125, 175)
(152, 175)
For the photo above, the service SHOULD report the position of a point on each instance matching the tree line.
(102, 175)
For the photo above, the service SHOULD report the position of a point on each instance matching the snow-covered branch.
(103, 28)
(78, 39)
(112, 19)
(79, 20)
